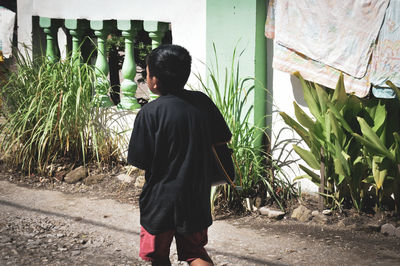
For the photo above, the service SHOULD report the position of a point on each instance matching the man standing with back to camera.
(171, 141)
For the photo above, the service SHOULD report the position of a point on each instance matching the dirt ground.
(96, 222)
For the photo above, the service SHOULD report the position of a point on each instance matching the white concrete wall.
(286, 89)
(187, 18)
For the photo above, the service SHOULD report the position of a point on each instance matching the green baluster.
(101, 30)
(156, 32)
(76, 29)
(129, 30)
(50, 27)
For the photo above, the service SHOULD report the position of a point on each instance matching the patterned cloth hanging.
(340, 33)
(289, 60)
(385, 63)
(7, 19)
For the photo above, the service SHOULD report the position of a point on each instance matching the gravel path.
(42, 227)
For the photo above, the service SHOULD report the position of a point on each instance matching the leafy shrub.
(352, 142)
(50, 114)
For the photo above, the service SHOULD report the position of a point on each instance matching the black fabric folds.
(171, 141)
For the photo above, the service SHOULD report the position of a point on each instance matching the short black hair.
(170, 64)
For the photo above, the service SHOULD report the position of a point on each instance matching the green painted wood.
(128, 86)
(76, 28)
(101, 30)
(50, 27)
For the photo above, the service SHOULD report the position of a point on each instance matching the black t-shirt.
(171, 141)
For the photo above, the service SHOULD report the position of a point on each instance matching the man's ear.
(156, 82)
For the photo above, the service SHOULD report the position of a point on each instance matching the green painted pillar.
(50, 27)
(129, 30)
(101, 30)
(156, 32)
(260, 74)
(76, 28)
(239, 24)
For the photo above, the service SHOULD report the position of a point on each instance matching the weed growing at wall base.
(50, 114)
(255, 168)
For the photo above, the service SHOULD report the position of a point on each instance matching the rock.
(131, 169)
(388, 230)
(397, 232)
(93, 179)
(76, 175)
(273, 214)
(371, 227)
(302, 214)
(320, 218)
(264, 211)
(327, 212)
(76, 253)
(59, 175)
(140, 180)
(257, 202)
(345, 222)
(125, 178)
(6, 240)
(315, 213)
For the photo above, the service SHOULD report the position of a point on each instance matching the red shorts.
(189, 246)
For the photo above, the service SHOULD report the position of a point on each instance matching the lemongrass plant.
(256, 172)
(50, 114)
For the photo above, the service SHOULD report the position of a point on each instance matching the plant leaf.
(314, 177)
(297, 127)
(311, 101)
(339, 96)
(308, 157)
(372, 140)
(302, 117)
(395, 88)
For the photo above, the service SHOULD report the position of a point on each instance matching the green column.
(50, 27)
(101, 30)
(247, 18)
(76, 28)
(156, 32)
(129, 30)
(260, 60)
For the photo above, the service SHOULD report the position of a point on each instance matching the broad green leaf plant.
(328, 136)
(356, 140)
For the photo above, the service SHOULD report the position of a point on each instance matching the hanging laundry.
(288, 60)
(7, 18)
(270, 22)
(385, 63)
(340, 33)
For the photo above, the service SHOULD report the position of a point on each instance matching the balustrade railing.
(102, 30)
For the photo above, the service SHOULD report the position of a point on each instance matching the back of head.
(170, 64)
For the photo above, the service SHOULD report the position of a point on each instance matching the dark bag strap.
(226, 175)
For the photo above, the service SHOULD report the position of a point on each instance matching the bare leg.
(207, 261)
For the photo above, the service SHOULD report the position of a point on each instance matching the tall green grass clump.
(255, 168)
(50, 114)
